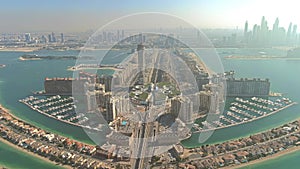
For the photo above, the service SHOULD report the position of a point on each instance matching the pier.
(94, 66)
(244, 111)
(60, 108)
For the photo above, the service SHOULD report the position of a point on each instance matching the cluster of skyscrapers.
(51, 38)
(110, 36)
(262, 35)
(28, 38)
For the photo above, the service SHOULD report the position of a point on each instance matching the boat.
(262, 53)
(55, 107)
(239, 112)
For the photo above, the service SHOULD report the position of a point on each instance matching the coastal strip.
(23, 150)
(259, 58)
(264, 159)
(61, 150)
(20, 49)
(234, 153)
(31, 153)
(227, 154)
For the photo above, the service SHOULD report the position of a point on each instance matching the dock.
(243, 111)
(60, 108)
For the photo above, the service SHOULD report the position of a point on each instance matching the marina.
(243, 110)
(61, 108)
(240, 111)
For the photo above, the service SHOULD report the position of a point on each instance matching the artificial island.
(145, 109)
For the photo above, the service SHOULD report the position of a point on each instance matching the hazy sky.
(82, 15)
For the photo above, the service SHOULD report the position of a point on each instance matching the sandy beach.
(12, 115)
(27, 151)
(25, 49)
(31, 153)
(274, 156)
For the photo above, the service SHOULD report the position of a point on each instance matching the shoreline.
(32, 154)
(25, 150)
(19, 49)
(257, 161)
(28, 122)
(32, 49)
(264, 159)
(259, 58)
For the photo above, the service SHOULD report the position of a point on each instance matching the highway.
(143, 133)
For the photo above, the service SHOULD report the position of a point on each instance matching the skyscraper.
(246, 31)
(43, 39)
(118, 35)
(123, 34)
(288, 35)
(140, 38)
(27, 37)
(53, 38)
(49, 38)
(263, 34)
(255, 31)
(140, 50)
(275, 33)
(263, 21)
(246, 28)
(62, 39)
(275, 25)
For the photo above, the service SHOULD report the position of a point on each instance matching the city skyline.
(263, 33)
(266, 34)
(19, 16)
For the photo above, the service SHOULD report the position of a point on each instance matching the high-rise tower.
(275, 25)
(246, 31)
(289, 33)
(27, 37)
(62, 39)
(140, 50)
(275, 33)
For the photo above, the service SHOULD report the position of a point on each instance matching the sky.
(83, 15)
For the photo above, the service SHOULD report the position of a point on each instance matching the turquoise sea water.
(19, 78)
(13, 158)
(289, 161)
(283, 75)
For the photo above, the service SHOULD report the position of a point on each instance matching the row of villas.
(54, 147)
(235, 152)
(245, 149)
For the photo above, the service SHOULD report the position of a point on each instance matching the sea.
(20, 78)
